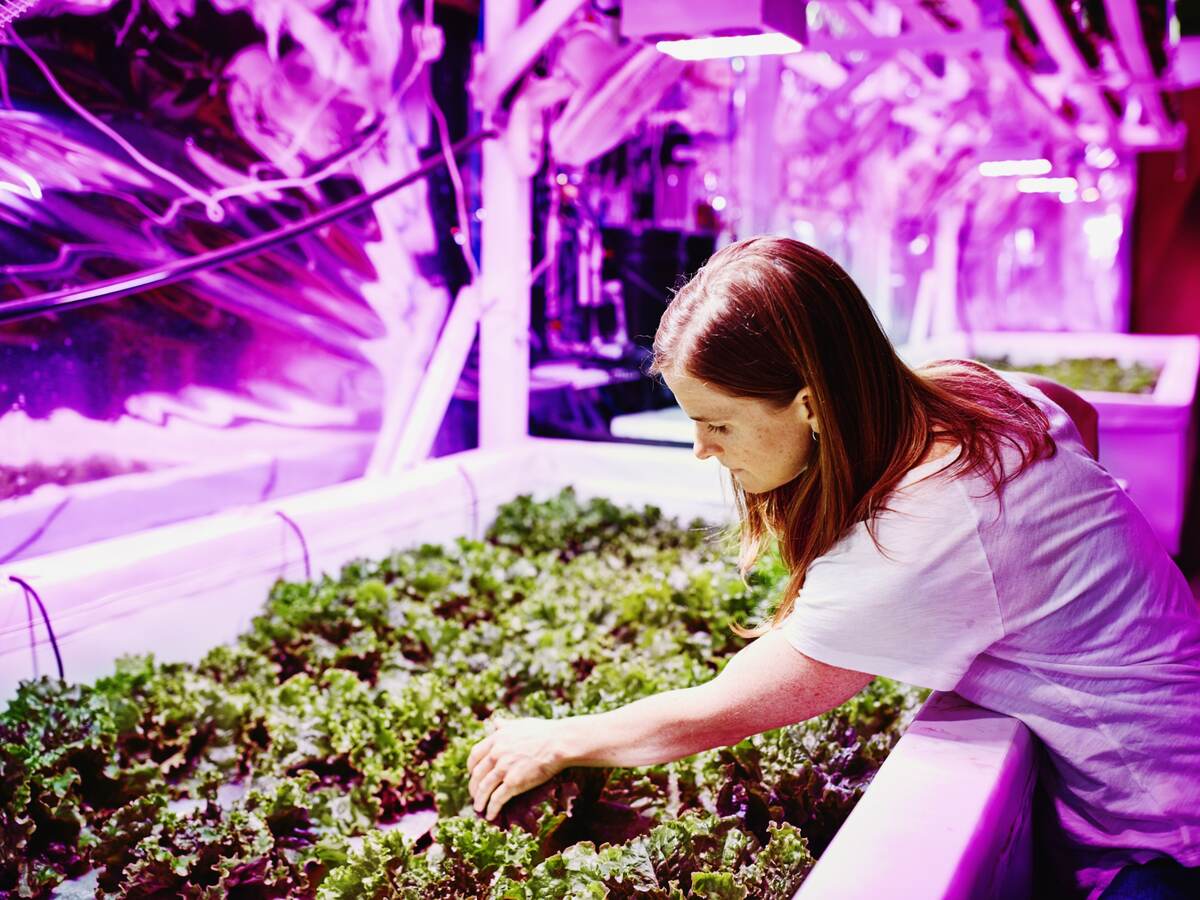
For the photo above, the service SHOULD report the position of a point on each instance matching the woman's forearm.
(656, 729)
(767, 684)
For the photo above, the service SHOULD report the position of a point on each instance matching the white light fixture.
(1047, 185)
(717, 29)
(730, 46)
(1005, 167)
(1100, 157)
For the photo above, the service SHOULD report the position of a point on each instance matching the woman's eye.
(717, 429)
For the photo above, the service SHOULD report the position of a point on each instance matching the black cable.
(32, 634)
(303, 543)
(29, 591)
(272, 478)
(113, 288)
(36, 533)
(475, 536)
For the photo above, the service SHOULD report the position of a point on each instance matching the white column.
(878, 223)
(759, 167)
(505, 264)
(946, 317)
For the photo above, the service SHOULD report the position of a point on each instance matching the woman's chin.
(743, 480)
(752, 485)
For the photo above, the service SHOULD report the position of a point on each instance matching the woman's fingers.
(487, 786)
(478, 751)
(502, 795)
(483, 768)
(518, 755)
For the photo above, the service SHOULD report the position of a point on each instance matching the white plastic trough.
(947, 815)
(194, 471)
(1147, 441)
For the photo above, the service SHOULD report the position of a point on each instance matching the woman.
(947, 527)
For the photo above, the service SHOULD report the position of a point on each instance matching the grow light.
(1005, 167)
(1047, 185)
(730, 46)
(717, 29)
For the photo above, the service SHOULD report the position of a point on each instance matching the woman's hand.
(519, 755)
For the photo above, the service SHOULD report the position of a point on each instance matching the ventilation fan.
(613, 89)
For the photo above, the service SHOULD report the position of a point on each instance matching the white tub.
(1147, 441)
(193, 472)
(947, 814)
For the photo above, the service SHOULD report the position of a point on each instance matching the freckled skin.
(764, 446)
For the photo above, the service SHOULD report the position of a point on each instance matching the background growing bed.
(1148, 440)
(190, 587)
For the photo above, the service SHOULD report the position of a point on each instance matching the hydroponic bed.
(330, 706)
(176, 474)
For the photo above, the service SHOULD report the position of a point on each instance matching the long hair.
(768, 316)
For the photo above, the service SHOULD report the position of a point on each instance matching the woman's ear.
(805, 406)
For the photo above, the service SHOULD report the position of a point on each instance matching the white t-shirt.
(1058, 607)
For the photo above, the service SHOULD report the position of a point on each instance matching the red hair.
(768, 316)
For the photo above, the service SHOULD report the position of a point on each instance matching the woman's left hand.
(519, 755)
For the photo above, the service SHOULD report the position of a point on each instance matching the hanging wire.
(113, 288)
(30, 592)
(32, 635)
(215, 213)
(34, 535)
(212, 201)
(460, 203)
(439, 118)
(367, 139)
(474, 492)
(303, 543)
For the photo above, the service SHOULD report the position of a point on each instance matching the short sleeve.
(919, 608)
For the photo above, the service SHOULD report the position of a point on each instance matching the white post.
(946, 317)
(759, 183)
(879, 223)
(504, 328)
(415, 442)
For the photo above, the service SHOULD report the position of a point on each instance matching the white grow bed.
(947, 816)
(195, 470)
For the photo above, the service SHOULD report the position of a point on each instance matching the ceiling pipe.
(1127, 27)
(1074, 71)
